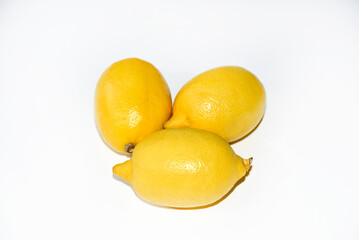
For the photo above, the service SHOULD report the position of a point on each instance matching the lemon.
(132, 100)
(229, 101)
(182, 168)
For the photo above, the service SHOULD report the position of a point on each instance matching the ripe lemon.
(229, 101)
(183, 168)
(132, 100)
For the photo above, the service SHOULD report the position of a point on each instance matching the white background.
(55, 171)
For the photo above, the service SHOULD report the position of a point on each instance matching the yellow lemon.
(182, 168)
(229, 101)
(132, 100)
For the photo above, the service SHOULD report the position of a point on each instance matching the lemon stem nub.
(248, 162)
(129, 147)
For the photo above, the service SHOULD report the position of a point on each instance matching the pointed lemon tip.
(169, 124)
(177, 122)
(123, 170)
(248, 162)
(244, 164)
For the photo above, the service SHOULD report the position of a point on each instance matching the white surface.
(55, 171)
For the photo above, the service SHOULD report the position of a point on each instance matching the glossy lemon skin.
(229, 101)
(182, 168)
(132, 100)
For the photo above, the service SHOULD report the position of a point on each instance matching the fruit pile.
(189, 163)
